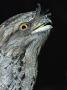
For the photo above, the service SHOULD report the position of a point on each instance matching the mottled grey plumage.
(19, 49)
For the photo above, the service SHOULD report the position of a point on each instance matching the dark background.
(52, 59)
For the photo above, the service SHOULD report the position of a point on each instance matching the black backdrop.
(52, 59)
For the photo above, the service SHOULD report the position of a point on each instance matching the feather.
(20, 47)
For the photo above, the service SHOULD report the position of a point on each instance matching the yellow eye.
(23, 26)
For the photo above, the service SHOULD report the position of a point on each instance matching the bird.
(21, 39)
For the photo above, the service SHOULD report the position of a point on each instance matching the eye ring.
(23, 26)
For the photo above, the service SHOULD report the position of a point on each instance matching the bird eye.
(24, 26)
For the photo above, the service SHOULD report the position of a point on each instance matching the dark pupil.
(23, 27)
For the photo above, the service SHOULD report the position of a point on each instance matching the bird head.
(23, 29)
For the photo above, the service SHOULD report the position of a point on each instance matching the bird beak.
(42, 28)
